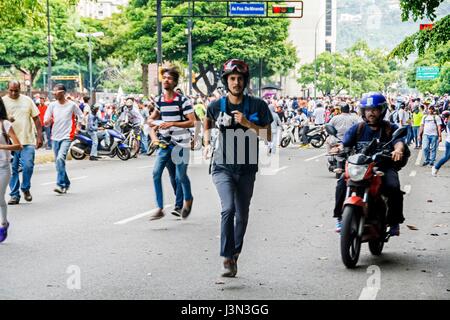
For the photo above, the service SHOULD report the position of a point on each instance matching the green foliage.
(439, 58)
(419, 9)
(21, 13)
(359, 70)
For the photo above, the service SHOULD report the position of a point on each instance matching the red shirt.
(42, 108)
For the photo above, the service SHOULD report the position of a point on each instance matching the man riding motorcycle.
(373, 108)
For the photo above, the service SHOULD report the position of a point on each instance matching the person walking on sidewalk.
(430, 134)
(446, 157)
(176, 115)
(8, 142)
(62, 114)
(24, 116)
(240, 119)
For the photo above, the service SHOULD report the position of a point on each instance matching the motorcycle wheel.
(285, 142)
(350, 241)
(76, 155)
(376, 246)
(124, 154)
(317, 141)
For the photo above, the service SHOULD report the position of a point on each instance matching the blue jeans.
(26, 159)
(95, 137)
(409, 135)
(48, 135)
(415, 131)
(430, 145)
(144, 142)
(446, 156)
(60, 149)
(172, 155)
(176, 185)
(235, 192)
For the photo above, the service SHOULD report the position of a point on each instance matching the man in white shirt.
(319, 114)
(62, 113)
(430, 134)
(24, 116)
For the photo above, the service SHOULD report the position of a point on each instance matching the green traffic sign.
(427, 73)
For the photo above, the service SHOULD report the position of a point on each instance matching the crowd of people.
(166, 121)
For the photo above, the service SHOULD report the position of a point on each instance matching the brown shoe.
(27, 196)
(229, 268)
(157, 215)
(186, 211)
(13, 200)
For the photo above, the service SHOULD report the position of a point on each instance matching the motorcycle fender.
(357, 202)
(123, 146)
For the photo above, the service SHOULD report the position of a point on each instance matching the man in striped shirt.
(176, 116)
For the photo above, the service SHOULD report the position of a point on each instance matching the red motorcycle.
(365, 208)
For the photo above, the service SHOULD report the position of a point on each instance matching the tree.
(423, 39)
(359, 70)
(26, 47)
(21, 13)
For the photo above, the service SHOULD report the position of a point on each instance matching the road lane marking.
(408, 189)
(72, 179)
(268, 172)
(413, 173)
(146, 167)
(316, 157)
(138, 216)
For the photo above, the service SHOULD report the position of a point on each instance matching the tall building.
(311, 35)
(99, 9)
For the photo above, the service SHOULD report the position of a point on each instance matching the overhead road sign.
(247, 9)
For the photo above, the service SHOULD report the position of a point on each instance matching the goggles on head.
(235, 65)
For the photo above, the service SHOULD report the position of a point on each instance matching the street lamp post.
(89, 36)
(49, 58)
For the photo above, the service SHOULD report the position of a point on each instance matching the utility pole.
(190, 46)
(49, 58)
(159, 41)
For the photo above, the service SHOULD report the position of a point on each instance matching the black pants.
(303, 132)
(282, 116)
(390, 188)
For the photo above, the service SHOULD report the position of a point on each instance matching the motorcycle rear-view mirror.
(398, 134)
(331, 130)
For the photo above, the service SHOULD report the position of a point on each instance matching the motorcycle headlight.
(357, 172)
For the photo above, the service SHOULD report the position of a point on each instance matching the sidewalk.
(46, 156)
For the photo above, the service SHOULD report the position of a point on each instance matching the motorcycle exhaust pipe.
(78, 150)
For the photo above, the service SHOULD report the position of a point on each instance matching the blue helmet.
(374, 100)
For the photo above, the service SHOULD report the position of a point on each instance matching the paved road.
(100, 230)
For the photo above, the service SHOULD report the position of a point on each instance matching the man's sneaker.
(27, 196)
(157, 215)
(229, 268)
(338, 225)
(434, 171)
(65, 189)
(394, 230)
(92, 158)
(59, 190)
(4, 232)
(424, 164)
(176, 211)
(14, 200)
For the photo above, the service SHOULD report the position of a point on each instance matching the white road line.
(419, 157)
(146, 167)
(138, 216)
(268, 172)
(71, 179)
(413, 173)
(407, 188)
(316, 157)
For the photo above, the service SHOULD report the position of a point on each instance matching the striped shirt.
(175, 111)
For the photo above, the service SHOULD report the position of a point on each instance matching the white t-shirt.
(403, 117)
(5, 155)
(64, 122)
(319, 115)
(429, 125)
(447, 139)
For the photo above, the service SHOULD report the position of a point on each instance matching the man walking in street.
(430, 134)
(177, 115)
(24, 116)
(62, 114)
(42, 106)
(240, 119)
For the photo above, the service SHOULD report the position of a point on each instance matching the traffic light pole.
(190, 49)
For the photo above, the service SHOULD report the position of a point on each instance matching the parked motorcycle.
(80, 147)
(365, 209)
(315, 136)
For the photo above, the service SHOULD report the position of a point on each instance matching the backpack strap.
(223, 104)
(246, 106)
(359, 130)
